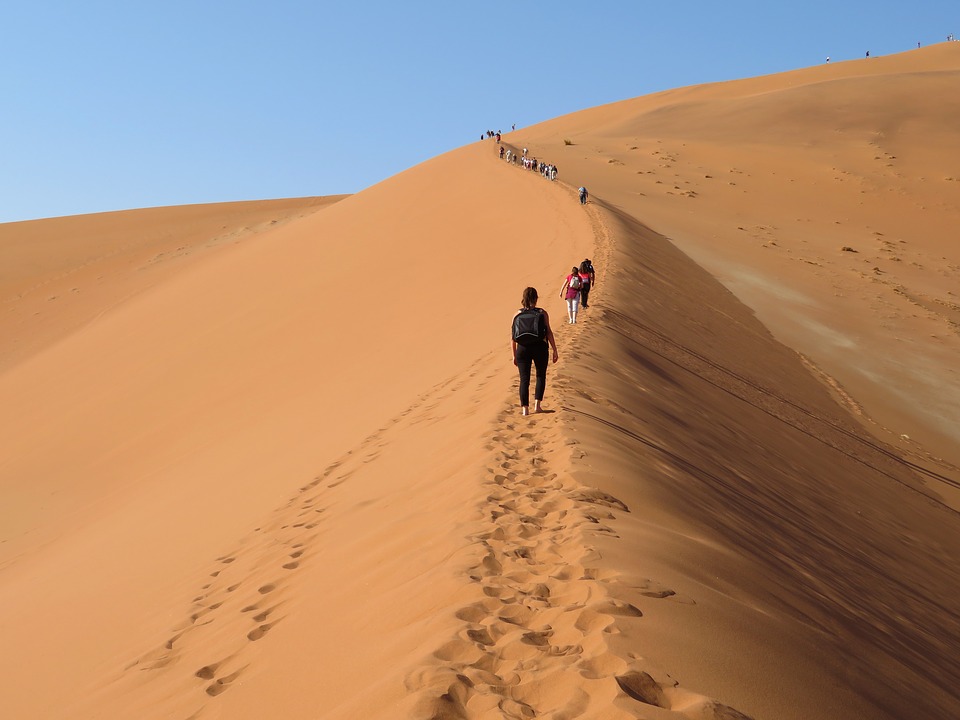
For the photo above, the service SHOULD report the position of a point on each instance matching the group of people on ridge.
(548, 170)
(532, 336)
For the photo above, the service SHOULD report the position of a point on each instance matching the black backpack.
(529, 326)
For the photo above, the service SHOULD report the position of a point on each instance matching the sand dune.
(59, 274)
(266, 461)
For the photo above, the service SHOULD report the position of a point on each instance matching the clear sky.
(111, 105)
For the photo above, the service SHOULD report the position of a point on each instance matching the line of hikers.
(548, 170)
(532, 337)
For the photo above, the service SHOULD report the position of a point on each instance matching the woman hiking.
(571, 293)
(530, 337)
(587, 279)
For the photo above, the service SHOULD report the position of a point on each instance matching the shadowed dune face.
(736, 443)
(276, 469)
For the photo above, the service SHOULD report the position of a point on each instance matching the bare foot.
(524, 410)
(537, 408)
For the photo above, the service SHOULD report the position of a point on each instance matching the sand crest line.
(534, 642)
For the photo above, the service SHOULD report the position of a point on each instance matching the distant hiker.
(529, 337)
(513, 127)
(868, 53)
(502, 149)
(571, 293)
(583, 195)
(828, 58)
(587, 277)
(498, 138)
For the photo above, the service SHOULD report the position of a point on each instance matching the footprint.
(640, 686)
(537, 638)
(717, 711)
(460, 652)
(222, 684)
(516, 615)
(259, 632)
(169, 644)
(481, 636)
(207, 672)
(617, 607)
(589, 621)
(472, 614)
(598, 497)
(260, 617)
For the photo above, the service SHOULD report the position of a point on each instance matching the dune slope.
(147, 442)
(288, 479)
(58, 274)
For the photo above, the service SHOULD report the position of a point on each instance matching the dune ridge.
(533, 612)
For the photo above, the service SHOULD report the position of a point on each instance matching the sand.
(265, 459)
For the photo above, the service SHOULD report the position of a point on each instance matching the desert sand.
(266, 460)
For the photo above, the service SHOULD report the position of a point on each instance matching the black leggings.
(584, 294)
(527, 355)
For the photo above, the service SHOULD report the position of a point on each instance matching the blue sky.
(112, 105)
